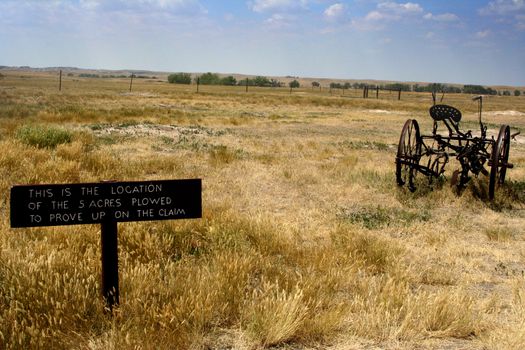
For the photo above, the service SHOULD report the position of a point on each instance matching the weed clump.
(379, 217)
(499, 234)
(43, 137)
(220, 155)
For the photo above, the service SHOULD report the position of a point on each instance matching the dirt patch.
(153, 130)
(519, 138)
(139, 94)
(508, 113)
(379, 111)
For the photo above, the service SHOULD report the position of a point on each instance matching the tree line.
(262, 81)
(108, 76)
(437, 87)
(230, 80)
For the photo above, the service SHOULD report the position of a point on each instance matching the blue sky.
(459, 41)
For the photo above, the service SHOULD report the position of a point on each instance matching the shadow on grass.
(423, 189)
(508, 196)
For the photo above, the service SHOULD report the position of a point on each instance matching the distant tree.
(315, 84)
(506, 93)
(452, 89)
(229, 80)
(398, 86)
(246, 81)
(436, 87)
(179, 78)
(88, 75)
(294, 84)
(478, 90)
(261, 81)
(275, 83)
(517, 92)
(347, 85)
(474, 89)
(209, 79)
(335, 85)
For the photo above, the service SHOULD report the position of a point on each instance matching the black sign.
(91, 203)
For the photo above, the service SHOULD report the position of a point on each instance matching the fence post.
(377, 92)
(131, 82)
(399, 95)
(60, 81)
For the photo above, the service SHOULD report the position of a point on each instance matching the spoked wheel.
(436, 165)
(499, 160)
(408, 154)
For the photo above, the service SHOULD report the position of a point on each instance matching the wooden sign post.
(105, 203)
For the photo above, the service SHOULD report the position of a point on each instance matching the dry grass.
(305, 242)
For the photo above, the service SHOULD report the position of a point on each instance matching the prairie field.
(306, 241)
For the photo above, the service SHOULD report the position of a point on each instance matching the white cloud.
(141, 7)
(97, 18)
(174, 6)
(393, 11)
(482, 34)
(400, 9)
(520, 22)
(277, 6)
(89, 4)
(387, 12)
(335, 12)
(444, 17)
(109, 4)
(502, 7)
(375, 16)
(279, 20)
(512, 11)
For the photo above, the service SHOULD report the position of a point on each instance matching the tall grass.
(43, 137)
(306, 242)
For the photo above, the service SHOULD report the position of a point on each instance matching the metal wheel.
(499, 160)
(436, 165)
(408, 154)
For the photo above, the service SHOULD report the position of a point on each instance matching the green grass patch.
(380, 217)
(371, 145)
(43, 136)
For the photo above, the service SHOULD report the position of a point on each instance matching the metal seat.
(442, 112)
